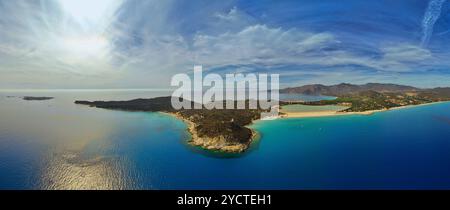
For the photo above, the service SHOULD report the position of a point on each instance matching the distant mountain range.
(349, 89)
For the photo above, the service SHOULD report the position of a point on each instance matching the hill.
(346, 89)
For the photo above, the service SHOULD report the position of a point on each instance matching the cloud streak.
(432, 14)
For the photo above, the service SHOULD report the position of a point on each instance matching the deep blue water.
(58, 145)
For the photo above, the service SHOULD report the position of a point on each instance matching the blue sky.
(142, 44)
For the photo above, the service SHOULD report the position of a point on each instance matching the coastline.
(220, 144)
(336, 113)
(213, 143)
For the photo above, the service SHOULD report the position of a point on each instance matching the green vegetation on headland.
(225, 130)
(217, 129)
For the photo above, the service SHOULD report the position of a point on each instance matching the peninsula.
(217, 129)
(225, 130)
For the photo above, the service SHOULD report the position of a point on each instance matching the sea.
(56, 144)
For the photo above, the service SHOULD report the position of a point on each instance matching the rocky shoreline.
(218, 143)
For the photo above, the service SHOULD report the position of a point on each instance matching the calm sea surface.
(56, 144)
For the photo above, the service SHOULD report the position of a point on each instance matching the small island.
(226, 130)
(34, 98)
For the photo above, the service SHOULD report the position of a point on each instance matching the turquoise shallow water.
(58, 145)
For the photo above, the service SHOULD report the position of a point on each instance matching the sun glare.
(94, 45)
(93, 16)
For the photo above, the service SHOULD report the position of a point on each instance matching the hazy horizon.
(205, 88)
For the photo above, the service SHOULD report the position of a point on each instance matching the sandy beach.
(220, 144)
(285, 114)
(322, 114)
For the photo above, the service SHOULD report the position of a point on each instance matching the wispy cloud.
(432, 14)
(114, 43)
(44, 38)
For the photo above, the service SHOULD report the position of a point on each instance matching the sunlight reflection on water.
(56, 144)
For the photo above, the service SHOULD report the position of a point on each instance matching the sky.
(142, 44)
